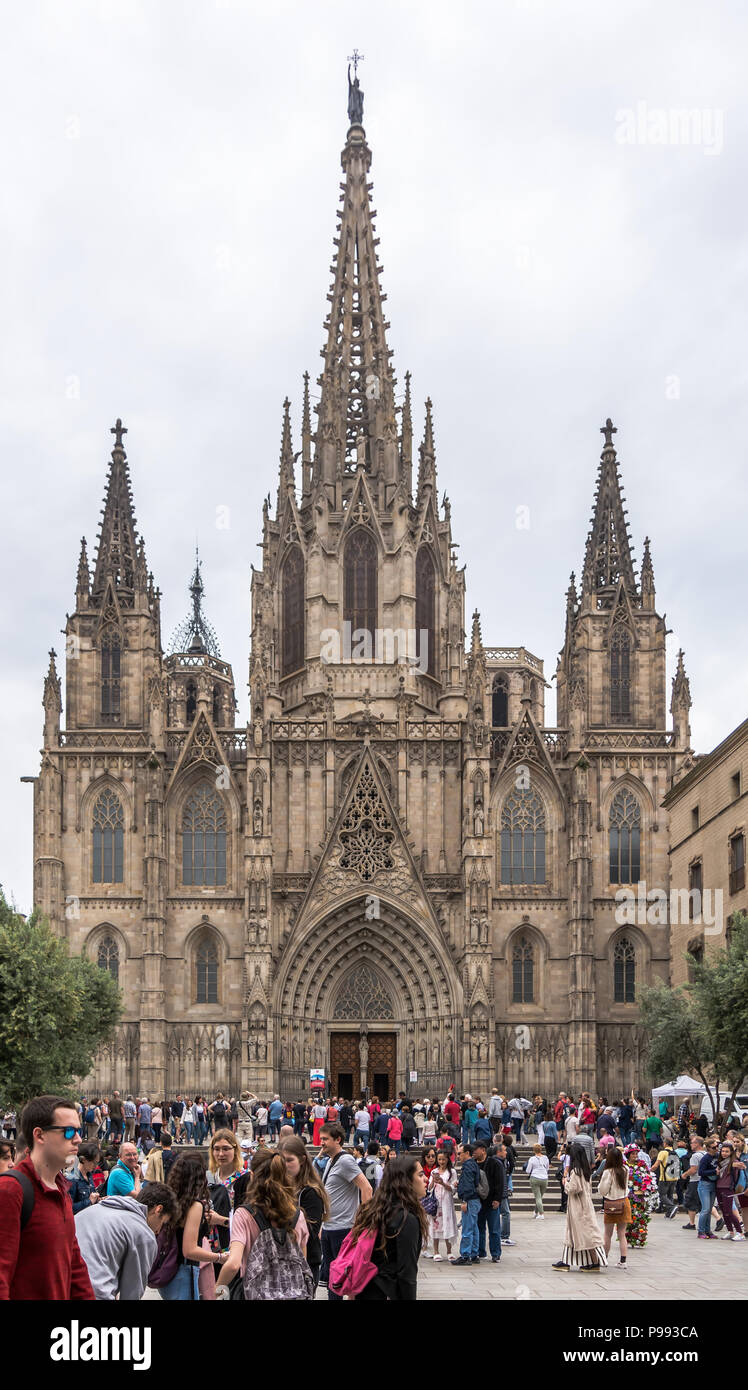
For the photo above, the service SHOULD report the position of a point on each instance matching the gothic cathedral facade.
(395, 872)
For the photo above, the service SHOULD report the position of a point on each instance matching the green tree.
(702, 1027)
(678, 1040)
(720, 995)
(56, 1009)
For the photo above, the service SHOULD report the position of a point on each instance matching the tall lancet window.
(108, 839)
(425, 610)
(620, 675)
(523, 838)
(110, 676)
(204, 838)
(293, 611)
(500, 702)
(624, 830)
(360, 590)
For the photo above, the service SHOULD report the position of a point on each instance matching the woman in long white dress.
(443, 1184)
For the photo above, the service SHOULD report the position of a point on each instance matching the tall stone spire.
(608, 554)
(306, 441)
(647, 579)
(83, 581)
(357, 385)
(427, 456)
(117, 549)
(286, 477)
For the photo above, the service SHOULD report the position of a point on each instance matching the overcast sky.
(169, 177)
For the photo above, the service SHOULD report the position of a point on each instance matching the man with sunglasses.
(39, 1253)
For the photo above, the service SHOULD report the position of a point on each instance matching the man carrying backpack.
(92, 1120)
(668, 1168)
(370, 1165)
(491, 1185)
(39, 1254)
(217, 1112)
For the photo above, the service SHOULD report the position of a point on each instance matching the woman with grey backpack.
(269, 1235)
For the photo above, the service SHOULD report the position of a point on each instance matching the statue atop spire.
(355, 94)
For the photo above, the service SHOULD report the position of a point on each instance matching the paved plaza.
(673, 1265)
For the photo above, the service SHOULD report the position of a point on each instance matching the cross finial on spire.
(118, 429)
(608, 429)
(355, 57)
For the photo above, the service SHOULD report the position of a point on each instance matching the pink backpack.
(353, 1268)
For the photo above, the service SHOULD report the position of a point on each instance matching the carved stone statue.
(257, 817)
(478, 820)
(363, 1051)
(474, 930)
(484, 929)
(355, 100)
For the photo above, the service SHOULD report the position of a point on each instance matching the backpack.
(353, 1268)
(276, 1269)
(166, 1263)
(219, 1110)
(29, 1196)
(483, 1188)
(90, 1115)
(672, 1167)
(369, 1167)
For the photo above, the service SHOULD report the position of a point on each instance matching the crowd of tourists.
(325, 1192)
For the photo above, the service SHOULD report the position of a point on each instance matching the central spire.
(356, 411)
(608, 552)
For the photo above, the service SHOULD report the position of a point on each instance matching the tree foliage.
(702, 1027)
(56, 1009)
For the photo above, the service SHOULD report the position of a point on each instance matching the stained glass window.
(500, 702)
(293, 611)
(523, 962)
(425, 610)
(620, 675)
(108, 956)
(207, 972)
(624, 971)
(108, 839)
(360, 585)
(523, 838)
(110, 677)
(204, 838)
(625, 838)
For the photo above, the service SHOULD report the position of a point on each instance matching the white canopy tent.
(682, 1086)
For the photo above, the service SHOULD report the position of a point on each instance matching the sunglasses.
(67, 1131)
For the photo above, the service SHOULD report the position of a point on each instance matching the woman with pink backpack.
(378, 1259)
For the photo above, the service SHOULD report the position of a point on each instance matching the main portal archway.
(387, 979)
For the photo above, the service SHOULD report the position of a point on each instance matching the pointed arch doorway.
(363, 1058)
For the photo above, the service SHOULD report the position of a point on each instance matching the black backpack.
(29, 1196)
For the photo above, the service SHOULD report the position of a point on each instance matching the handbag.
(430, 1204)
(614, 1206)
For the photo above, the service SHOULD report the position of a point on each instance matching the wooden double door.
(346, 1078)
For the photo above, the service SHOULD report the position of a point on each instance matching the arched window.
(500, 702)
(624, 971)
(625, 838)
(108, 956)
(620, 675)
(191, 701)
(204, 838)
(293, 611)
(523, 969)
(217, 706)
(425, 610)
(523, 838)
(108, 838)
(110, 676)
(206, 972)
(360, 586)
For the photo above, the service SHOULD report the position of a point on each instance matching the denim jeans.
(189, 1126)
(468, 1134)
(506, 1219)
(707, 1192)
(517, 1122)
(178, 1289)
(489, 1217)
(361, 1137)
(469, 1238)
(331, 1243)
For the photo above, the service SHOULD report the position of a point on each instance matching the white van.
(740, 1105)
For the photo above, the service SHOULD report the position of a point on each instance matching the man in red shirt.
(42, 1260)
(453, 1115)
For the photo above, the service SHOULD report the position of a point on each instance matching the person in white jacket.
(117, 1240)
(537, 1167)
